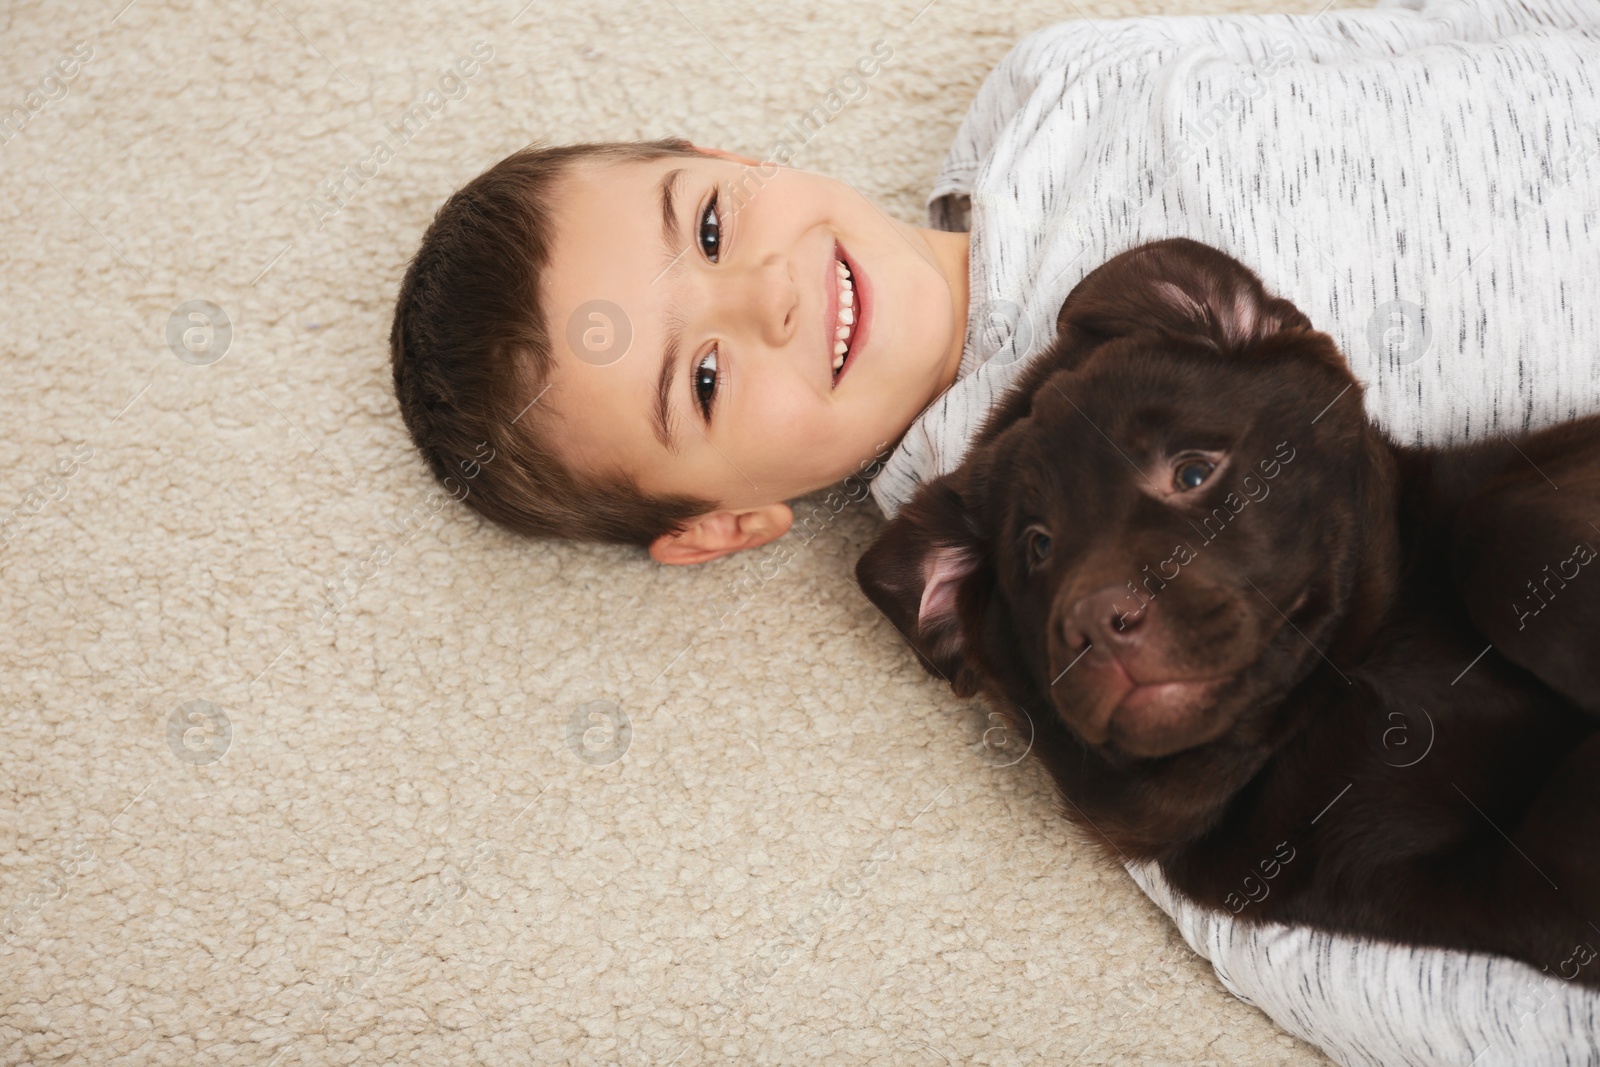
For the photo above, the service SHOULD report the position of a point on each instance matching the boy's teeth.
(847, 313)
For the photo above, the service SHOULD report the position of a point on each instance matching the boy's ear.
(915, 571)
(722, 532)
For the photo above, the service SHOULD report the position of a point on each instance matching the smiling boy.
(1418, 178)
(719, 288)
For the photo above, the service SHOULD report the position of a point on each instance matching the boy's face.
(747, 297)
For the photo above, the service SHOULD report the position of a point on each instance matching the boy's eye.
(704, 383)
(710, 232)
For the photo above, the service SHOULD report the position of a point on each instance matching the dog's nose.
(1109, 618)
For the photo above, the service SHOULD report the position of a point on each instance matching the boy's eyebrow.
(671, 239)
(669, 370)
(672, 244)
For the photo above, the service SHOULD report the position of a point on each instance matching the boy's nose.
(766, 299)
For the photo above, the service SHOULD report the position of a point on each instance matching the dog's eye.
(1038, 545)
(1191, 474)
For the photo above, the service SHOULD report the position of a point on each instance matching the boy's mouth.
(845, 311)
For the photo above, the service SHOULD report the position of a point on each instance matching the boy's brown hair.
(471, 350)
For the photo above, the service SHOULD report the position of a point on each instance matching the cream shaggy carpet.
(515, 803)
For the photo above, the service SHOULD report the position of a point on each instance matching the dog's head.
(1163, 528)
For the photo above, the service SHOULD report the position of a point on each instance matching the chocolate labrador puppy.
(1322, 678)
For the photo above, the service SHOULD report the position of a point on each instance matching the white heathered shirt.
(1440, 153)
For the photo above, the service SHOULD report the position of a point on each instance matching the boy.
(739, 302)
(1420, 179)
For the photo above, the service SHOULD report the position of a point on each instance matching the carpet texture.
(305, 764)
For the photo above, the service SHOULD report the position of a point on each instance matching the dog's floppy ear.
(914, 573)
(1177, 286)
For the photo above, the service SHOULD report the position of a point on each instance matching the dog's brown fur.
(1282, 715)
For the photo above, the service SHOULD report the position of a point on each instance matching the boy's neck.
(950, 251)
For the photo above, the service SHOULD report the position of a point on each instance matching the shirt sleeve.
(1067, 50)
(1374, 1004)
